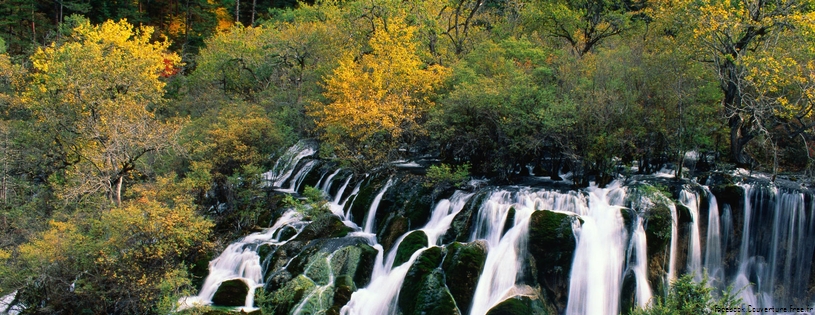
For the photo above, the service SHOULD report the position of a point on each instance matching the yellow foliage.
(95, 94)
(385, 92)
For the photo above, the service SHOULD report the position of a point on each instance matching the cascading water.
(369, 222)
(713, 247)
(241, 261)
(690, 200)
(780, 261)
(379, 297)
(639, 248)
(287, 163)
(596, 277)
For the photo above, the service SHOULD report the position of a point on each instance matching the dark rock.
(286, 298)
(396, 227)
(231, 293)
(343, 288)
(509, 222)
(461, 226)
(324, 226)
(628, 293)
(410, 244)
(462, 266)
(552, 244)
(424, 290)
(518, 305)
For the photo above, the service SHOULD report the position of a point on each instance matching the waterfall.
(778, 241)
(713, 249)
(379, 297)
(327, 184)
(595, 282)
(671, 276)
(639, 248)
(690, 200)
(285, 165)
(369, 222)
(297, 180)
(241, 261)
(334, 203)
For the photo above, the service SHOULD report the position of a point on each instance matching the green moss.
(317, 268)
(658, 223)
(511, 306)
(424, 290)
(231, 293)
(462, 266)
(410, 244)
(552, 244)
(286, 298)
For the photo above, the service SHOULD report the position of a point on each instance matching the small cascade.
(348, 217)
(369, 222)
(287, 163)
(443, 215)
(6, 306)
(241, 261)
(640, 264)
(327, 184)
(713, 248)
(297, 180)
(690, 200)
(334, 204)
(595, 284)
(379, 297)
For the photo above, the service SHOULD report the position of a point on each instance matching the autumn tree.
(377, 101)
(761, 52)
(94, 96)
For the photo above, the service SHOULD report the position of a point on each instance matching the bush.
(444, 176)
(687, 297)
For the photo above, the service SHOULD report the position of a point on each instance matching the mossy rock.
(285, 299)
(325, 225)
(410, 244)
(460, 228)
(552, 244)
(285, 233)
(343, 288)
(424, 290)
(396, 227)
(658, 224)
(364, 198)
(729, 194)
(367, 260)
(231, 293)
(628, 293)
(518, 305)
(463, 265)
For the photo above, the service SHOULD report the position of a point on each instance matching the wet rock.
(231, 293)
(509, 222)
(410, 244)
(396, 227)
(519, 305)
(343, 288)
(462, 223)
(285, 299)
(424, 290)
(552, 244)
(324, 226)
(462, 266)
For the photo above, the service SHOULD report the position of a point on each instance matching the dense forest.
(133, 134)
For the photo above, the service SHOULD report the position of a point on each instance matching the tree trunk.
(119, 190)
(737, 142)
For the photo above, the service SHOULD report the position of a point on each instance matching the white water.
(690, 200)
(7, 308)
(241, 261)
(297, 179)
(596, 277)
(640, 266)
(713, 248)
(674, 235)
(379, 297)
(286, 164)
(369, 222)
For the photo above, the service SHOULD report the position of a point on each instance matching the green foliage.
(687, 297)
(444, 175)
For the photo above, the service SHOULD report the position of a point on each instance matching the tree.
(582, 23)
(377, 101)
(94, 97)
(760, 51)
